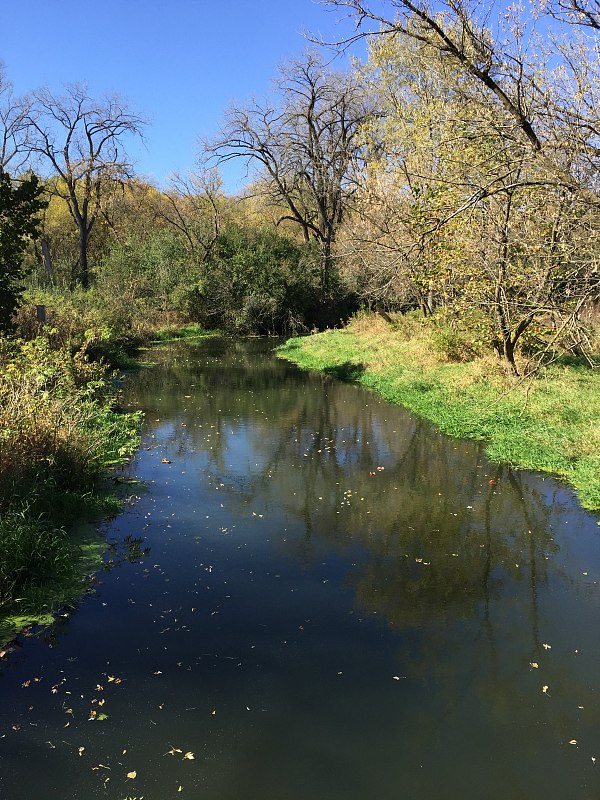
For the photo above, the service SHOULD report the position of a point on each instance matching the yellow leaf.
(534, 665)
(189, 756)
(573, 741)
(132, 775)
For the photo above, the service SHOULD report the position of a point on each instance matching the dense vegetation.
(59, 431)
(453, 175)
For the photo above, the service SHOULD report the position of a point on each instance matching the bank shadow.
(348, 371)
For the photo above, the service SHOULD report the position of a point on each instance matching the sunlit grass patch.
(173, 333)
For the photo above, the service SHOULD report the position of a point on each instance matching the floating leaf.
(189, 756)
(132, 775)
(573, 741)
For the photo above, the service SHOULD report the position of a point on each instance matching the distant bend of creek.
(316, 596)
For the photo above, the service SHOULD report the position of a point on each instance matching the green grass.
(174, 333)
(48, 562)
(549, 423)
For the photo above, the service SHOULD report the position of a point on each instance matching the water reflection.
(321, 597)
(444, 529)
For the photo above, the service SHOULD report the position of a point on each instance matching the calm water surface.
(318, 596)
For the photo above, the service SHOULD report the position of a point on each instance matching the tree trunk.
(84, 273)
(509, 356)
(326, 266)
(47, 259)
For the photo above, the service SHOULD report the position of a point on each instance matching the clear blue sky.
(178, 62)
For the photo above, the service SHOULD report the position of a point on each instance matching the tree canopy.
(20, 204)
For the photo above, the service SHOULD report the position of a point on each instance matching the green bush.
(58, 428)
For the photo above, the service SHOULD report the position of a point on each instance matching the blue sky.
(178, 62)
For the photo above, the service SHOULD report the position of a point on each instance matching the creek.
(316, 595)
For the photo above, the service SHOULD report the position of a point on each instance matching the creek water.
(316, 596)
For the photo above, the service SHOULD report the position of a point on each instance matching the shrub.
(58, 428)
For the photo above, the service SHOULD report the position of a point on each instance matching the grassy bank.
(549, 422)
(60, 431)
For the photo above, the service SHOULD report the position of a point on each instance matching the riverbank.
(61, 432)
(548, 422)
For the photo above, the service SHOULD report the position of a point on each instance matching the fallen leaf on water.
(172, 751)
(547, 646)
(534, 665)
(189, 756)
(166, 461)
(545, 690)
(80, 751)
(573, 741)
(132, 775)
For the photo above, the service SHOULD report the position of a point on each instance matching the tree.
(193, 205)
(513, 174)
(82, 140)
(13, 126)
(19, 205)
(306, 147)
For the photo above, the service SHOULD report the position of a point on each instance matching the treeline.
(454, 172)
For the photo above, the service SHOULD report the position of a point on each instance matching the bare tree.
(193, 206)
(14, 150)
(305, 145)
(574, 12)
(82, 140)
